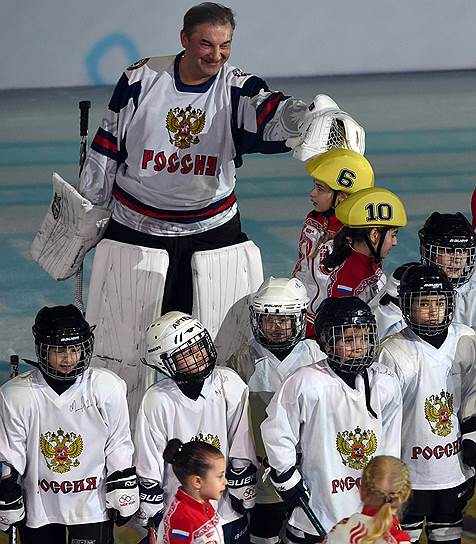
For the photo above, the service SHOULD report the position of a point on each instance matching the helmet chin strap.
(376, 252)
(332, 210)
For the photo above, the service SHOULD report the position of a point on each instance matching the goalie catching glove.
(151, 503)
(122, 495)
(11, 503)
(290, 487)
(242, 488)
(325, 126)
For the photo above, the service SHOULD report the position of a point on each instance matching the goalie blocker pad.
(125, 295)
(325, 126)
(71, 227)
(223, 279)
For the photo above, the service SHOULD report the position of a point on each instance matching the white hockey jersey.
(433, 383)
(264, 373)
(65, 445)
(168, 151)
(219, 416)
(329, 421)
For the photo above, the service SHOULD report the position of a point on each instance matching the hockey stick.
(84, 106)
(304, 504)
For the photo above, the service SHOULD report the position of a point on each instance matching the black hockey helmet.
(449, 241)
(64, 342)
(334, 317)
(426, 286)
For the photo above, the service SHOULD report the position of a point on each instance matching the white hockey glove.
(71, 227)
(325, 126)
(11, 503)
(242, 488)
(290, 486)
(151, 502)
(122, 495)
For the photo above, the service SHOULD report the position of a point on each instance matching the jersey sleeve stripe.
(123, 92)
(105, 144)
(268, 109)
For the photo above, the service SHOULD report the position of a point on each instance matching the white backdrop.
(89, 42)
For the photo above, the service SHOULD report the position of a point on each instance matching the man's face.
(277, 328)
(452, 261)
(428, 309)
(64, 359)
(206, 50)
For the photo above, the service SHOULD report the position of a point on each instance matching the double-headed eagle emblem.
(438, 412)
(356, 447)
(183, 125)
(61, 449)
(209, 438)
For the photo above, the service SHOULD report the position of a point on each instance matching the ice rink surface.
(421, 140)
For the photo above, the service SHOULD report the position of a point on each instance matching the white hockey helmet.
(180, 347)
(325, 126)
(287, 301)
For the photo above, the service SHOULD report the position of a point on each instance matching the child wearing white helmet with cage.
(196, 401)
(278, 321)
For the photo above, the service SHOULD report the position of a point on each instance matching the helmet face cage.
(64, 362)
(193, 361)
(286, 328)
(429, 305)
(350, 348)
(457, 261)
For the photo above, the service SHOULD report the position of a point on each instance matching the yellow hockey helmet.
(342, 170)
(373, 207)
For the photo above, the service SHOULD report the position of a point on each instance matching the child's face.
(192, 360)
(452, 261)
(353, 343)
(321, 196)
(389, 242)
(277, 328)
(428, 309)
(213, 484)
(64, 359)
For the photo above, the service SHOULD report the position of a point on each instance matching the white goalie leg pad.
(222, 280)
(325, 126)
(125, 296)
(71, 227)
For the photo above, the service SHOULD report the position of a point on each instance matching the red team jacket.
(189, 521)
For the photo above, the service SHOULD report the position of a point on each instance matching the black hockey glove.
(122, 495)
(151, 502)
(469, 452)
(11, 502)
(290, 487)
(242, 487)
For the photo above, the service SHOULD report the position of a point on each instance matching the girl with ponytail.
(384, 488)
(200, 469)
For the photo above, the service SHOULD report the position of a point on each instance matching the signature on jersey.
(84, 404)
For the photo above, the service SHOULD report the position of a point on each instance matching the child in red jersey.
(200, 468)
(371, 220)
(336, 174)
(385, 487)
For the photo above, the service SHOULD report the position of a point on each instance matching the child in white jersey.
(196, 401)
(433, 358)
(339, 412)
(65, 430)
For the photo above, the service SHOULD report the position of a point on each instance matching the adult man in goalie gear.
(164, 160)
